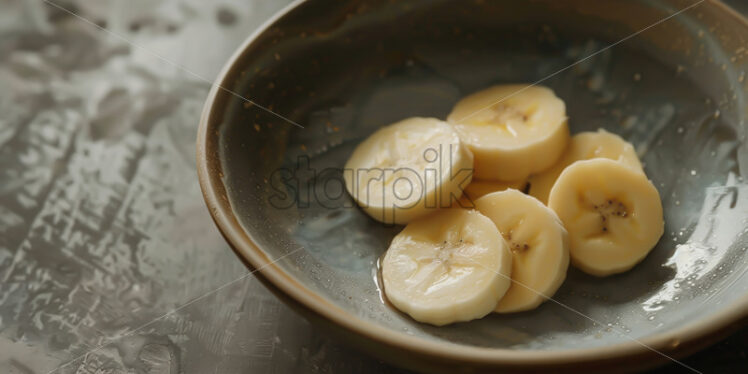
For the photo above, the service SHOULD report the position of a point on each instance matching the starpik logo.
(430, 181)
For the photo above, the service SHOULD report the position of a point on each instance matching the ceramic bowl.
(667, 75)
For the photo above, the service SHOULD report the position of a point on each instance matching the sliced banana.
(449, 267)
(585, 146)
(513, 130)
(403, 171)
(613, 214)
(539, 245)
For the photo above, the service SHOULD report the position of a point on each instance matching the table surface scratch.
(103, 232)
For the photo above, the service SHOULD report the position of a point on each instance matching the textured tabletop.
(109, 262)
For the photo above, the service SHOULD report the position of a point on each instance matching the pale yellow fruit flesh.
(539, 245)
(479, 188)
(512, 130)
(449, 267)
(408, 169)
(612, 212)
(585, 146)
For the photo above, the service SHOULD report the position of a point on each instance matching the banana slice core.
(448, 267)
(408, 169)
(613, 214)
(539, 245)
(513, 130)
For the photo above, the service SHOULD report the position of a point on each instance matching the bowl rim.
(658, 347)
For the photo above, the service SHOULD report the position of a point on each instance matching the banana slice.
(513, 130)
(613, 214)
(449, 267)
(403, 171)
(539, 245)
(585, 146)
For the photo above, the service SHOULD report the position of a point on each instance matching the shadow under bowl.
(667, 75)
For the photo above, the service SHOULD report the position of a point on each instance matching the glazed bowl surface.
(667, 75)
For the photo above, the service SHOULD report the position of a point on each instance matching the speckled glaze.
(676, 91)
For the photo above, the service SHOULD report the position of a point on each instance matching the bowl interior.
(676, 91)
